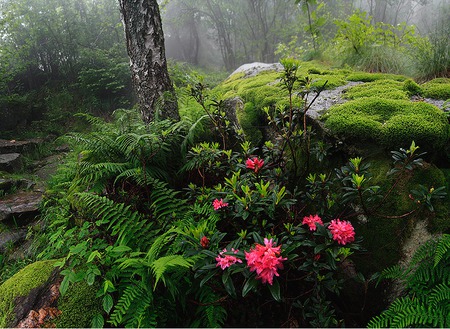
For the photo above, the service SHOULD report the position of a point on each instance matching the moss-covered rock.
(21, 284)
(368, 77)
(437, 88)
(387, 89)
(78, 306)
(392, 123)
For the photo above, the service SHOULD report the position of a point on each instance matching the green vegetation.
(426, 280)
(437, 88)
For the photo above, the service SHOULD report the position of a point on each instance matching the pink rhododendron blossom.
(342, 231)
(217, 204)
(265, 260)
(254, 164)
(311, 221)
(225, 261)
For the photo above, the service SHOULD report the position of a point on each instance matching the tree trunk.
(145, 45)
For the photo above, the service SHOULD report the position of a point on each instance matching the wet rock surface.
(14, 146)
(9, 238)
(11, 162)
(21, 207)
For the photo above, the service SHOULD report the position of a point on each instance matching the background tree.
(145, 44)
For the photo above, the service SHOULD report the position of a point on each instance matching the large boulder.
(14, 146)
(32, 288)
(253, 69)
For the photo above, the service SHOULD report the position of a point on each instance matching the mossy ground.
(78, 306)
(30, 277)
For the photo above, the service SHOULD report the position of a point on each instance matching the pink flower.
(265, 260)
(311, 221)
(204, 242)
(217, 204)
(225, 261)
(254, 164)
(342, 231)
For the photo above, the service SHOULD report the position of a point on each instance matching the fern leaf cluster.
(427, 280)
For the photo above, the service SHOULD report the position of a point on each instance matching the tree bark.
(145, 45)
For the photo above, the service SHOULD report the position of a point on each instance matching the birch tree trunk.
(145, 45)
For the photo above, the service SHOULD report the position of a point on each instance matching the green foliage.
(426, 280)
(378, 47)
(369, 77)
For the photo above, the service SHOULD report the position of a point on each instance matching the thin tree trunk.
(145, 45)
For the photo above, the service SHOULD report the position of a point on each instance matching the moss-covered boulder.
(23, 289)
(391, 123)
(437, 88)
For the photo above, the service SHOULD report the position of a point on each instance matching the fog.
(227, 33)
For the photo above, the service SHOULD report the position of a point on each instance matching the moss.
(438, 89)
(20, 284)
(392, 123)
(412, 88)
(250, 118)
(388, 89)
(78, 306)
(368, 77)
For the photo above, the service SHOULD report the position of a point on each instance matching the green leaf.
(107, 303)
(275, 290)
(249, 285)
(94, 254)
(97, 321)
(207, 278)
(120, 249)
(228, 284)
(64, 285)
(90, 279)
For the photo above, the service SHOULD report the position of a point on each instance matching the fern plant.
(427, 282)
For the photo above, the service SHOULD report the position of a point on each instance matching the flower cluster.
(217, 204)
(254, 164)
(225, 261)
(342, 231)
(265, 260)
(311, 221)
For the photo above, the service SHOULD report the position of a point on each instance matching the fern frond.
(441, 293)
(442, 249)
(210, 312)
(128, 225)
(161, 265)
(131, 306)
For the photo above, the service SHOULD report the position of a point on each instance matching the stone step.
(11, 162)
(21, 207)
(14, 146)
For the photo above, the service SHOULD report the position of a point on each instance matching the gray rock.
(11, 162)
(22, 206)
(13, 146)
(252, 69)
(9, 238)
(9, 184)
